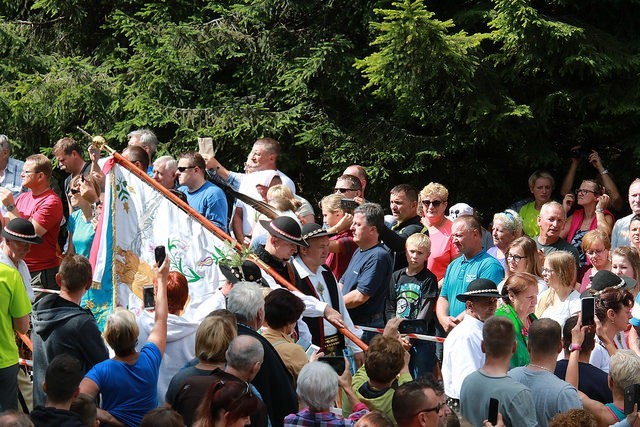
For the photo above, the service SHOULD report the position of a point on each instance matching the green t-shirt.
(382, 400)
(14, 303)
(529, 215)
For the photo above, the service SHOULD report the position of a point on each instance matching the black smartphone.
(336, 362)
(161, 254)
(588, 311)
(631, 396)
(413, 326)
(493, 411)
(148, 297)
(348, 204)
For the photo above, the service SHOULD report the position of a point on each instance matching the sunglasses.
(435, 203)
(73, 191)
(344, 190)
(436, 408)
(184, 168)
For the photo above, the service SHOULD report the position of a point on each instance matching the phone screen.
(493, 411)
(148, 297)
(160, 254)
(588, 311)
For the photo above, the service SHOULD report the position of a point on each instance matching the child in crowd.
(413, 293)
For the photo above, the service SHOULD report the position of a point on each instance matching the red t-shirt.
(338, 262)
(46, 210)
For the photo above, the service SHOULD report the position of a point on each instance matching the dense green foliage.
(473, 94)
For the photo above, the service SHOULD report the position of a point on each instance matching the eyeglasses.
(436, 408)
(184, 168)
(73, 191)
(28, 172)
(516, 258)
(595, 252)
(344, 190)
(435, 203)
(584, 191)
(547, 271)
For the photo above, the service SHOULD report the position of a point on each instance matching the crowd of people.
(341, 316)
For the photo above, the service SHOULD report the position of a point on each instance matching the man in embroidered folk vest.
(317, 280)
(285, 236)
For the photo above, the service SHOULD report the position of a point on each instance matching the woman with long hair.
(523, 257)
(227, 404)
(561, 300)
(591, 215)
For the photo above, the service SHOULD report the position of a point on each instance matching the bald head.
(244, 352)
(359, 172)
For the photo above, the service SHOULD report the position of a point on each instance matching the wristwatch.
(11, 207)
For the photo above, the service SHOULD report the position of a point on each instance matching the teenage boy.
(413, 292)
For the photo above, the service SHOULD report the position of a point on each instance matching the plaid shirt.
(306, 418)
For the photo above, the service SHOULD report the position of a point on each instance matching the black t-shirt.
(593, 381)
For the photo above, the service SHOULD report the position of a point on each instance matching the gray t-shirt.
(559, 245)
(551, 395)
(515, 400)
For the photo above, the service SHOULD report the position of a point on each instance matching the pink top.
(442, 248)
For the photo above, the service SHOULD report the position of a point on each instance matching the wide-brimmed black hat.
(480, 288)
(21, 230)
(285, 228)
(311, 230)
(247, 272)
(605, 279)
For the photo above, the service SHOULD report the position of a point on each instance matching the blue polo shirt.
(462, 271)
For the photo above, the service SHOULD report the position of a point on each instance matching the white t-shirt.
(561, 311)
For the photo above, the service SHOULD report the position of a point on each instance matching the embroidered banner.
(136, 218)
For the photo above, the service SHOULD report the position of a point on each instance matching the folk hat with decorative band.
(21, 230)
(480, 288)
(285, 228)
(605, 279)
(247, 272)
(311, 230)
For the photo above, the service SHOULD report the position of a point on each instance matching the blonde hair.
(331, 203)
(564, 267)
(434, 188)
(213, 337)
(631, 254)
(420, 240)
(510, 220)
(624, 369)
(121, 332)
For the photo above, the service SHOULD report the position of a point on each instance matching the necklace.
(540, 367)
